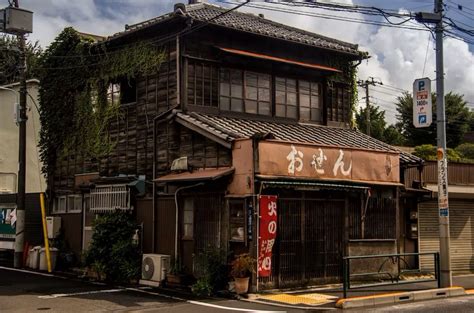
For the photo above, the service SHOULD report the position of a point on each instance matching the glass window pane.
(316, 115)
(291, 111)
(237, 105)
(236, 91)
(314, 101)
(304, 101)
(251, 79)
(251, 93)
(251, 106)
(188, 230)
(225, 104)
(315, 88)
(291, 98)
(280, 97)
(304, 85)
(280, 84)
(188, 217)
(264, 80)
(236, 77)
(225, 89)
(304, 114)
(280, 110)
(224, 73)
(291, 84)
(264, 108)
(263, 94)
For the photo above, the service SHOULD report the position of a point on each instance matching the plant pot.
(176, 279)
(241, 285)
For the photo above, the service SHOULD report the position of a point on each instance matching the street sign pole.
(444, 236)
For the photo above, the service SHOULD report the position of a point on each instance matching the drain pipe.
(177, 216)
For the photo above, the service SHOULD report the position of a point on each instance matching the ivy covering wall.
(75, 112)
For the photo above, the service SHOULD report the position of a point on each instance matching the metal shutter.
(461, 230)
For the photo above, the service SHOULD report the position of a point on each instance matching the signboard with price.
(268, 230)
(422, 105)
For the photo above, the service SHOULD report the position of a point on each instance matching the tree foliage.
(428, 152)
(458, 119)
(466, 150)
(10, 57)
(378, 126)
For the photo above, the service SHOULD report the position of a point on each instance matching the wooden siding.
(336, 96)
(175, 141)
(132, 131)
(458, 174)
(145, 218)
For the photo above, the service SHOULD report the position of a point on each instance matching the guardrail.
(393, 277)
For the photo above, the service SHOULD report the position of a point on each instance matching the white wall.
(35, 181)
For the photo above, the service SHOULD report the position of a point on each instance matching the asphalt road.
(27, 292)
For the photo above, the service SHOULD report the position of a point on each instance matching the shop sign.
(317, 162)
(267, 234)
(442, 183)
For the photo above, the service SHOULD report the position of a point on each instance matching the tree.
(428, 152)
(9, 59)
(458, 120)
(378, 126)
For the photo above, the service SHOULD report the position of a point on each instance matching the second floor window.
(309, 100)
(244, 91)
(231, 90)
(286, 100)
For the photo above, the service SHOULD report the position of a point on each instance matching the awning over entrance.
(198, 175)
(282, 60)
(312, 184)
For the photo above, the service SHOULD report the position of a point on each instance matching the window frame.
(188, 206)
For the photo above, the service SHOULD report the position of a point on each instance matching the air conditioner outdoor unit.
(154, 268)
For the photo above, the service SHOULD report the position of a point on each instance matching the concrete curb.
(399, 297)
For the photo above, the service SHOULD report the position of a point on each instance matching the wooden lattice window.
(202, 84)
(310, 101)
(257, 93)
(286, 100)
(231, 90)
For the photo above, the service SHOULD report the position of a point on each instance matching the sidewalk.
(327, 297)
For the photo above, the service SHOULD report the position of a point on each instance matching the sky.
(398, 55)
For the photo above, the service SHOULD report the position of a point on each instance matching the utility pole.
(20, 210)
(443, 205)
(365, 84)
(444, 236)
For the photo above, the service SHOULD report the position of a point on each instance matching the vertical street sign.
(422, 106)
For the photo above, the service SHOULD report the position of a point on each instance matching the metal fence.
(388, 271)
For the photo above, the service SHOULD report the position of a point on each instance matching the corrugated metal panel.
(461, 230)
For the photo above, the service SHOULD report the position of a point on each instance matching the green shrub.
(212, 270)
(428, 153)
(466, 150)
(202, 287)
(112, 251)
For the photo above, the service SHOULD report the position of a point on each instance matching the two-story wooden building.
(244, 108)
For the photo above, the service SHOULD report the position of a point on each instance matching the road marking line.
(30, 272)
(62, 295)
(199, 302)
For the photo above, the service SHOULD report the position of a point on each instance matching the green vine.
(76, 112)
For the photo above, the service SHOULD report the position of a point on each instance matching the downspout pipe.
(177, 216)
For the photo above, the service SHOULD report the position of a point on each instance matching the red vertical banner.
(268, 230)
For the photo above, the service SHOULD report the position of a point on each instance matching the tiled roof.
(247, 22)
(230, 128)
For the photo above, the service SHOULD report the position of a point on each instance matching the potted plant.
(176, 275)
(242, 268)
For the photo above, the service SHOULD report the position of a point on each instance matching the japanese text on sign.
(267, 236)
